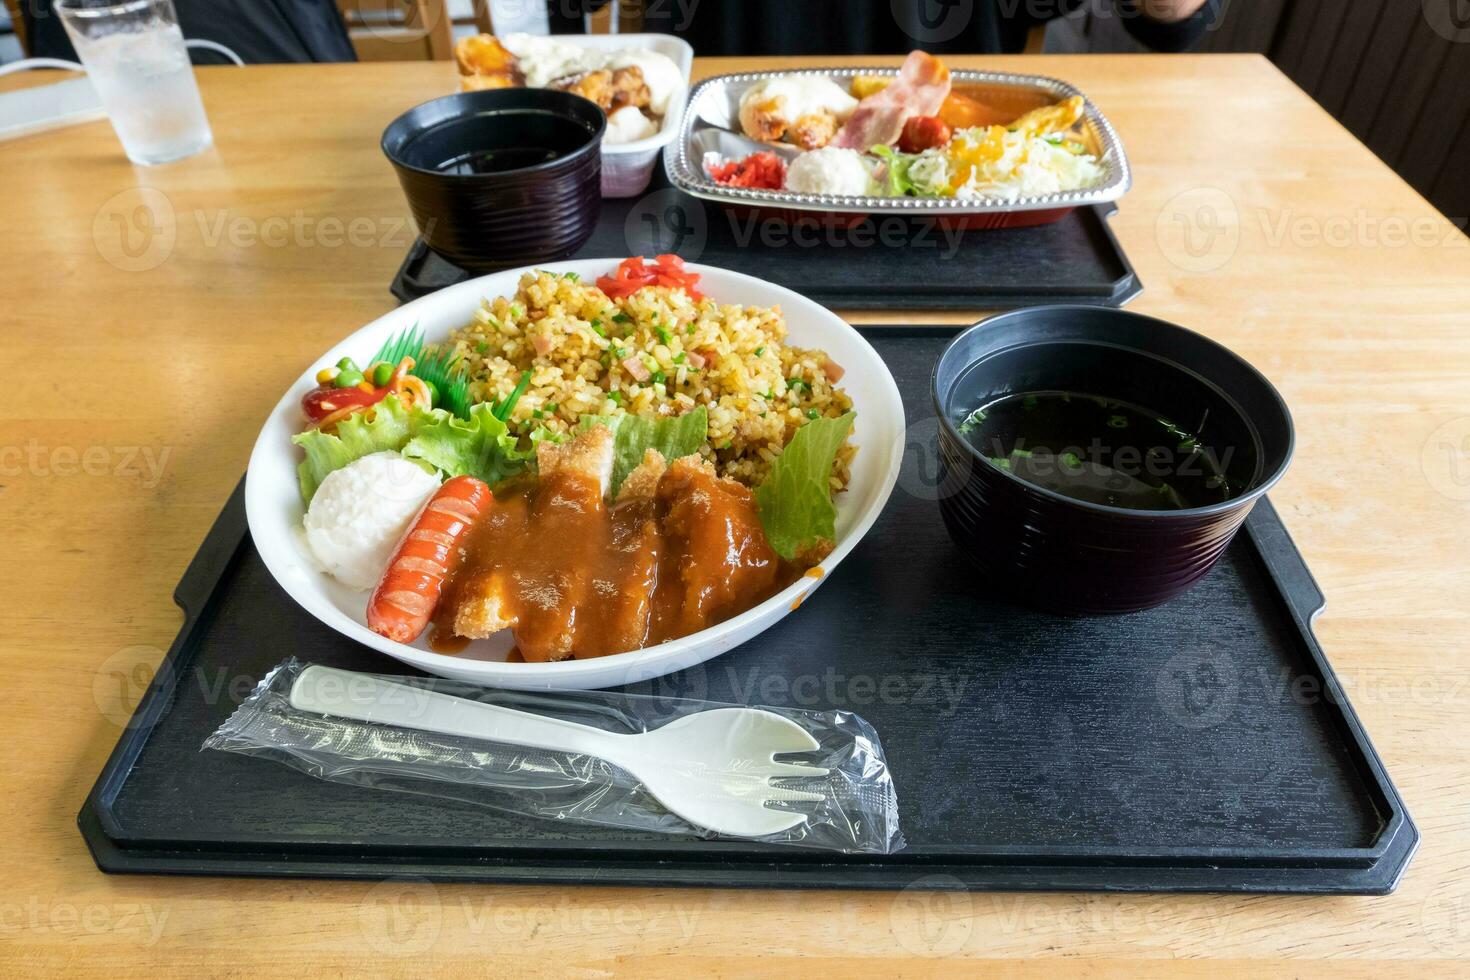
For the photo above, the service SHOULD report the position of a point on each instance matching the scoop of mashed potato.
(360, 512)
(830, 170)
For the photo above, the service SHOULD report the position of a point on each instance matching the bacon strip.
(920, 89)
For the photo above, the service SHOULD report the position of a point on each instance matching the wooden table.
(140, 363)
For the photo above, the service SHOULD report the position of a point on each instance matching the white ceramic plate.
(274, 509)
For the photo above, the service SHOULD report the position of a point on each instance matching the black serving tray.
(894, 263)
(1200, 746)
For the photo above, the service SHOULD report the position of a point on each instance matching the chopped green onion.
(616, 396)
(503, 410)
(759, 351)
(726, 444)
(679, 358)
(658, 377)
(570, 275)
(597, 329)
(622, 318)
(663, 335)
(800, 384)
(481, 347)
(1071, 461)
(690, 331)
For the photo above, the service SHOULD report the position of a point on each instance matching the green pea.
(347, 378)
(382, 373)
(348, 364)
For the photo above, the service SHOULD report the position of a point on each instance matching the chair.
(17, 24)
(400, 30)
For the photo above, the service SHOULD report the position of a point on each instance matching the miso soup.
(1101, 450)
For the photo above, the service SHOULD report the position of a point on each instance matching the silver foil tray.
(714, 106)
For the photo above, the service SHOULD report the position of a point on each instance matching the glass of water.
(134, 54)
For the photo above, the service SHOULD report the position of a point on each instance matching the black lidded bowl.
(501, 177)
(1077, 557)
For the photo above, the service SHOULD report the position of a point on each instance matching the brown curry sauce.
(574, 576)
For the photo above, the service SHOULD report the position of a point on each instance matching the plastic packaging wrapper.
(857, 812)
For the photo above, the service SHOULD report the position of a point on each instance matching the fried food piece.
(865, 85)
(595, 86)
(510, 591)
(1054, 118)
(629, 88)
(715, 527)
(642, 482)
(484, 601)
(483, 54)
(476, 83)
(763, 120)
(813, 131)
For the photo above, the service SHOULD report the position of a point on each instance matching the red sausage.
(923, 132)
(405, 598)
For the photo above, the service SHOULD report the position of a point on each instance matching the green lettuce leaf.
(796, 498)
(480, 446)
(674, 436)
(390, 428)
(899, 182)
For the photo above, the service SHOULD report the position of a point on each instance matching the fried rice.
(655, 353)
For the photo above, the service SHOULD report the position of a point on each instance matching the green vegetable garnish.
(390, 428)
(503, 409)
(800, 384)
(759, 351)
(812, 413)
(382, 373)
(480, 446)
(409, 343)
(633, 435)
(444, 374)
(622, 318)
(658, 377)
(795, 500)
(597, 329)
(347, 378)
(664, 336)
(1071, 461)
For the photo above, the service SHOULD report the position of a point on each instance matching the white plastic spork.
(713, 768)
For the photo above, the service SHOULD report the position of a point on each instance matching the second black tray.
(891, 263)
(1202, 746)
